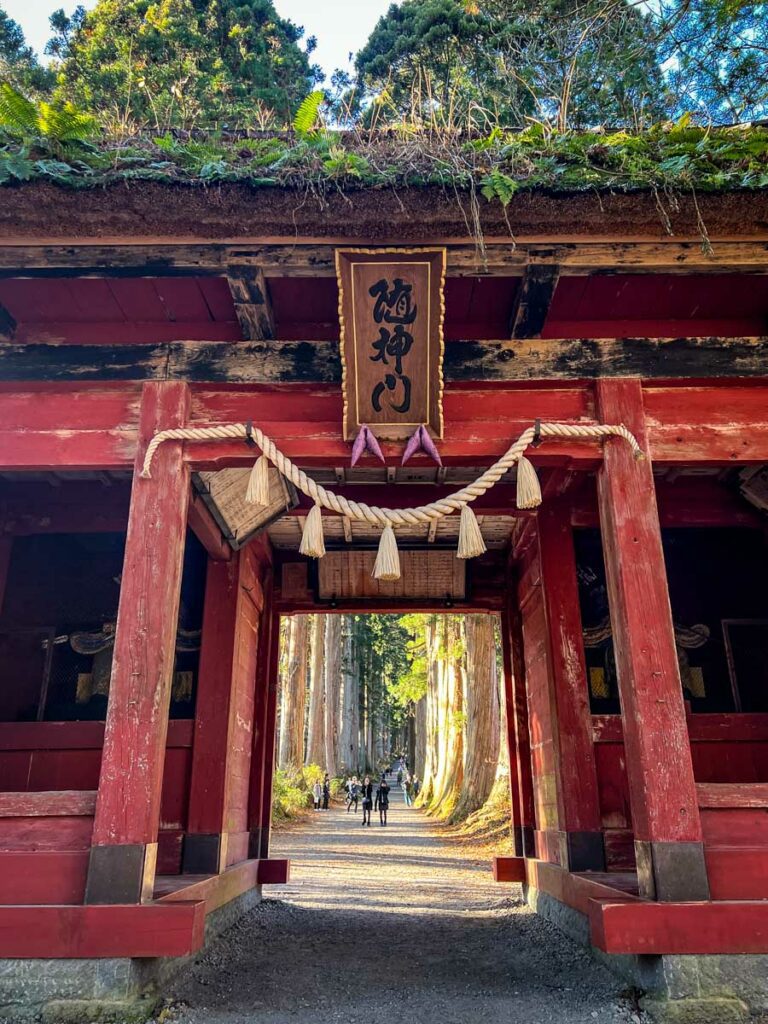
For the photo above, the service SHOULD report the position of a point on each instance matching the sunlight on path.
(382, 925)
(405, 865)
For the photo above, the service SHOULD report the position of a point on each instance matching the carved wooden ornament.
(391, 311)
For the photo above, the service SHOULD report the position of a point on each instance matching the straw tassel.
(257, 492)
(387, 565)
(471, 543)
(528, 488)
(312, 541)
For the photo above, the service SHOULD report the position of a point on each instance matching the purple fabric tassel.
(365, 442)
(420, 441)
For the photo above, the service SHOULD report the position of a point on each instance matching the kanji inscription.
(392, 339)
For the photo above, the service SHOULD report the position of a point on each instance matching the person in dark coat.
(326, 791)
(366, 791)
(382, 800)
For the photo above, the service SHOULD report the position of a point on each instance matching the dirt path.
(384, 925)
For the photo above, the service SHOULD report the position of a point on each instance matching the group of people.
(409, 784)
(363, 792)
(321, 794)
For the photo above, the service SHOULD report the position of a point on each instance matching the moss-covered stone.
(712, 1010)
(96, 1011)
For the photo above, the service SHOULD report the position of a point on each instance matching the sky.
(341, 26)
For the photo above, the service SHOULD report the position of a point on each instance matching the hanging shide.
(471, 543)
(257, 491)
(387, 565)
(312, 540)
(528, 487)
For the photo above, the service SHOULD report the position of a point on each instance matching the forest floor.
(396, 924)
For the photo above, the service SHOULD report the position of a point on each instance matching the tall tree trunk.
(294, 695)
(349, 699)
(316, 723)
(431, 731)
(332, 691)
(420, 717)
(451, 773)
(481, 716)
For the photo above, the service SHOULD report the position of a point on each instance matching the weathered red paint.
(128, 805)
(102, 931)
(578, 808)
(659, 767)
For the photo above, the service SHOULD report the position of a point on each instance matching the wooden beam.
(123, 857)
(65, 803)
(665, 811)
(310, 362)
(291, 258)
(251, 300)
(207, 531)
(217, 831)
(579, 821)
(533, 300)
(263, 761)
(518, 732)
(679, 928)
(167, 929)
(7, 324)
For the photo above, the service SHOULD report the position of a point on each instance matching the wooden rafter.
(251, 300)
(533, 301)
(303, 259)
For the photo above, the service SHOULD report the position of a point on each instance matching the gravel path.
(384, 925)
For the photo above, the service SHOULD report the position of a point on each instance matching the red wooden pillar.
(523, 823)
(263, 767)
(6, 546)
(581, 837)
(217, 830)
(665, 813)
(124, 851)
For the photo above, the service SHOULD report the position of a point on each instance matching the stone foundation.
(115, 989)
(676, 989)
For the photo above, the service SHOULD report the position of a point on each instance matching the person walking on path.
(326, 791)
(382, 800)
(353, 793)
(408, 790)
(317, 795)
(367, 800)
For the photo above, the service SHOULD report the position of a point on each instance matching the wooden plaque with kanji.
(391, 312)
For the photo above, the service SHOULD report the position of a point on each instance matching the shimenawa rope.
(470, 540)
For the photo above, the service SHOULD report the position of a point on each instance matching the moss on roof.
(665, 158)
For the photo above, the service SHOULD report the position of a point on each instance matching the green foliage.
(18, 62)
(715, 55)
(305, 119)
(52, 126)
(311, 774)
(498, 185)
(289, 796)
(456, 64)
(180, 63)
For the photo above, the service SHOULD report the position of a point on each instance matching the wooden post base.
(671, 872)
(201, 854)
(258, 844)
(583, 851)
(524, 841)
(121, 873)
